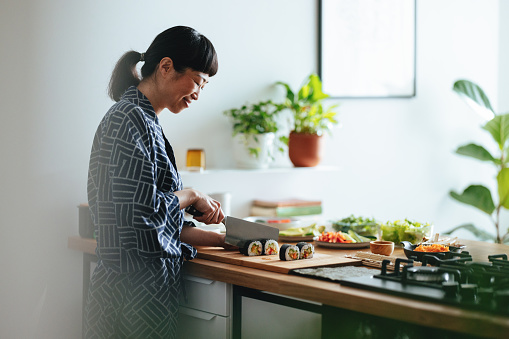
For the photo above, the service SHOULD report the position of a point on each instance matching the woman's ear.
(166, 66)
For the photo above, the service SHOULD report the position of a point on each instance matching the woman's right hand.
(211, 209)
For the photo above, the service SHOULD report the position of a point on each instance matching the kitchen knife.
(238, 230)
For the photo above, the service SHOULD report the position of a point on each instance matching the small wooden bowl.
(381, 247)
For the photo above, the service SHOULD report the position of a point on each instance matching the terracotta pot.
(305, 150)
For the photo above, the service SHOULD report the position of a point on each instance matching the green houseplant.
(480, 196)
(310, 121)
(254, 128)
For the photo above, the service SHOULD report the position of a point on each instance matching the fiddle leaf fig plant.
(479, 196)
(308, 112)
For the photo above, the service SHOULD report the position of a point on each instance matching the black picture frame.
(367, 49)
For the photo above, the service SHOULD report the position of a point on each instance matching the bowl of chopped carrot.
(419, 250)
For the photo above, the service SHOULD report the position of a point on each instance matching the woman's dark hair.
(183, 45)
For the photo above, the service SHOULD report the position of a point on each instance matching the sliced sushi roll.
(251, 248)
(306, 250)
(289, 252)
(271, 247)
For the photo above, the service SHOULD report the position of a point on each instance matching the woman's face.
(182, 88)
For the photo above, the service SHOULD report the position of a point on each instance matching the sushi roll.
(289, 252)
(271, 247)
(306, 250)
(251, 248)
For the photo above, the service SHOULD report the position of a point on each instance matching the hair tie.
(142, 57)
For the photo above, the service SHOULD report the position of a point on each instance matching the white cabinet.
(197, 324)
(263, 319)
(206, 313)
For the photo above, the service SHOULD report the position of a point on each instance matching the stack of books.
(286, 208)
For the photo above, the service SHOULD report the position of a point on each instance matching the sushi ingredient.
(432, 248)
(335, 237)
(306, 250)
(251, 248)
(289, 252)
(271, 247)
(358, 238)
(278, 221)
(447, 241)
(312, 230)
(255, 248)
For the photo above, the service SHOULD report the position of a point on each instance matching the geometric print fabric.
(140, 305)
(131, 180)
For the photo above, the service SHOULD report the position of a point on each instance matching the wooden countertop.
(330, 293)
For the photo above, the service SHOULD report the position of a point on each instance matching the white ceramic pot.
(263, 143)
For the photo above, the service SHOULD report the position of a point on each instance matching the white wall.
(395, 155)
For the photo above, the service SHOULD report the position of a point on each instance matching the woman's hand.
(211, 209)
(198, 237)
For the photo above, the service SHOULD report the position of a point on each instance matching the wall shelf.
(259, 171)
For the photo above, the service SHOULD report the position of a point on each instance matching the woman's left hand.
(199, 237)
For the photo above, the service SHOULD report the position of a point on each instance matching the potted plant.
(480, 196)
(310, 121)
(254, 132)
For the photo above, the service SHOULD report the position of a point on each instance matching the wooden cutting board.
(272, 262)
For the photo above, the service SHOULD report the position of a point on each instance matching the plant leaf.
(503, 187)
(477, 152)
(472, 91)
(316, 85)
(477, 232)
(289, 93)
(477, 196)
(499, 129)
(304, 92)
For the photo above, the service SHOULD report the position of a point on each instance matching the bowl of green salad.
(405, 230)
(363, 226)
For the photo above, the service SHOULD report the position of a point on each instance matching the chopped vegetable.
(257, 250)
(357, 237)
(312, 230)
(334, 237)
(432, 248)
(293, 254)
(278, 221)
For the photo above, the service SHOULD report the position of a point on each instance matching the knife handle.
(193, 211)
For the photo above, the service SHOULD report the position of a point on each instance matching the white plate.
(279, 225)
(343, 245)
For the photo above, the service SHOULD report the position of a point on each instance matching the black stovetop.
(458, 281)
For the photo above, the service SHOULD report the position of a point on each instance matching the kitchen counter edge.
(330, 293)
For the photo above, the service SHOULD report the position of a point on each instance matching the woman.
(135, 192)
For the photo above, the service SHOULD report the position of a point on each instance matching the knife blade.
(239, 230)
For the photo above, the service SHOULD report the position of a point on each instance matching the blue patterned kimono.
(132, 176)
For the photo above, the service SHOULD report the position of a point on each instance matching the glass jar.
(195, 160)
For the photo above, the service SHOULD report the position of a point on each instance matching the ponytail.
(183, 45)
(124, 75)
